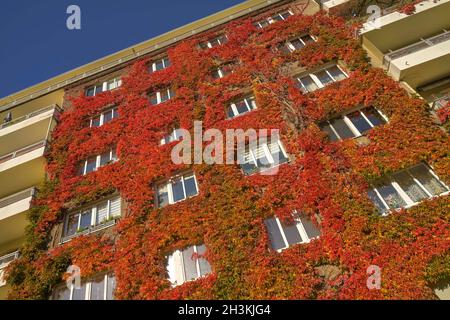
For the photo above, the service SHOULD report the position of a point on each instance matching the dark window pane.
(341, 128)
(216, 74)
(297, 44)
(159, 65)
(79, 294)
(241, 107)
(85, 220)
(153, 99)
(391, 196)
(72, 224)
(177, 190)
(90, 91)
(96, 121)
(91, 164)
(336, 73)
(374, 116)
(411, 188)
(107, 116)
(331, 135)
(291, 233)
(205, 267)
(190, 187)
(98, 89)
(359, 122)
(98, 289)
(311, 230)
(166, 62)
(115, 113)
(105, 158)
(285, 15)
(190, 267)
(376, 201)
(276, 239)
(230, 113)
(431, 184)
(324, 77)
(306, 84)
(307, 38)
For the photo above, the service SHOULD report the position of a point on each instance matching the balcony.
(13, 210)
(4, 262)
(420, 62)
(415, 56)
(26, 128)
(22, 168)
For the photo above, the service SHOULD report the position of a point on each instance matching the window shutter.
(102, 212)
(115, 209)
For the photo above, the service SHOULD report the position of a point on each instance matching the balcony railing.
(22, 151)
(440, 102)
(422, 44)
(4, 262)
(30, 115)
(17, 197)
(6, 259)
(89, 230)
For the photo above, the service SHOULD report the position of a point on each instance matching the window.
(161, 96)
(92, 218)
(241, 107)
(283, 235)
(174, 136)
(262, 156)
(187, 265)
(221, 72)
(296, 43)
(97, 288)
(177, 189)
(105, 86)
(93, 163)
(353, 124)
(320, 79)
(406, 188)
(278, 17)
(104, 117)
(160, 64)
(214, 42)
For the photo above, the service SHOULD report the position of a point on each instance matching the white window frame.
(271, 19)
(117, 81)
(163, 60)
(265, 147)
(208, 42)
(93, 209)
(179, 269)
(301, 230)
(403, 195)
(350, 124)
(112, 151)
(158, 95)
(173, 136)
(249, 101)
(88, 289)
(291, 47)
(115, 114)
(168, 185)
(316, 79)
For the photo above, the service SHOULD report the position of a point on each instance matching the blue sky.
(35, 44)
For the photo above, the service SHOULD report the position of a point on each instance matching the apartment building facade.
(112, 203)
